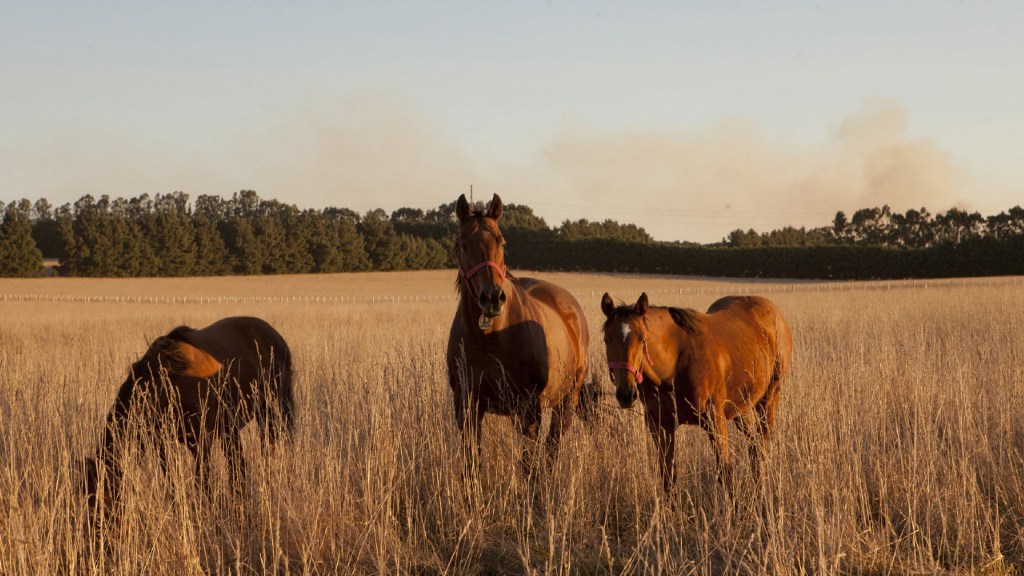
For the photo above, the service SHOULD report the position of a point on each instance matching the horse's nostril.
(625, 396)
(502, 297)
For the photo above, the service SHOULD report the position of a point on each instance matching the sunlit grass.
(899, 447)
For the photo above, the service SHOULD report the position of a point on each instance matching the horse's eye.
(462, 246)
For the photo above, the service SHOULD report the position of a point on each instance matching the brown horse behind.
(207, 384)
(703, 369)
(517, 346)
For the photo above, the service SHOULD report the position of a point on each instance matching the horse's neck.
(663, 339)
(117, 422)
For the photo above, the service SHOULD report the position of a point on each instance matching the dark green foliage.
(788, 236)
(381, 240)
(170, 231)
(168, 236)
(46, 229)
(105, 238)
(981, 256)
(212, 257)
(583, 229)
(334, 241)
(19, 255)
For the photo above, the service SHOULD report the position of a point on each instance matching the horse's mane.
(685, 318)
(163, 352)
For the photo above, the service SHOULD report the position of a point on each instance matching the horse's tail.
(285, 393)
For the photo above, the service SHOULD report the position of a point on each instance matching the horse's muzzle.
(626, 394)
(492, 301)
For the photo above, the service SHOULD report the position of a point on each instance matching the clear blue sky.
(690, 119)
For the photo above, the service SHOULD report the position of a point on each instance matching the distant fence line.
(742, 289)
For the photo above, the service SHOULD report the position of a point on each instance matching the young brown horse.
(208, 384)
(517, 346)
(704, 369)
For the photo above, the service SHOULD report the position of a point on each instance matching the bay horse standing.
(705, 369)
(517, 346)
(208, 384)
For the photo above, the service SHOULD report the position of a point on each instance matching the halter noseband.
(636, 371)
(502, 271)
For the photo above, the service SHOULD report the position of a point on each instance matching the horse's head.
(480, 256)
(625, 341)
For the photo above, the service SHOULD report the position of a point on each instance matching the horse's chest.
(515, 367)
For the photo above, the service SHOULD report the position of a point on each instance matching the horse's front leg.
(469, 415)
(199, 444)
(661, 417)
(663, 432)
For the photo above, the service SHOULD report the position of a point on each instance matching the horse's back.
(753, 310)
(251, 351)
(240, 338)
(756, 334)
(567, 307)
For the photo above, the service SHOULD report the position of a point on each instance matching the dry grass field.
(899, 446)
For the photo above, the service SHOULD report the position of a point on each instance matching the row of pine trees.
(169, 235)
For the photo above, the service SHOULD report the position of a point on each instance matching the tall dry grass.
(898, 450)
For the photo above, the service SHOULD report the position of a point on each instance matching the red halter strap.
(637, 371)
(502, 271)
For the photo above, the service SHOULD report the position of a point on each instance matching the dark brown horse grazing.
(517, 346)
(208, 384)
(704, 369)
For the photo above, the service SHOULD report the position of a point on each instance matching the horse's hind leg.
(235, 459)
(748, 423)
(561, 419)
(763, 424)
(529, 420)
(717, 427)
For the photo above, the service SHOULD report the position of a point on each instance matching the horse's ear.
(641, 304)
(685, 319)
(495, 208)
(607, 306)
(462, 208)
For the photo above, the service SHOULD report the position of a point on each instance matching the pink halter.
(502, 271)
(636, 371)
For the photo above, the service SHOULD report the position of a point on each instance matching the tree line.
(171, 235)
(882, 227)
